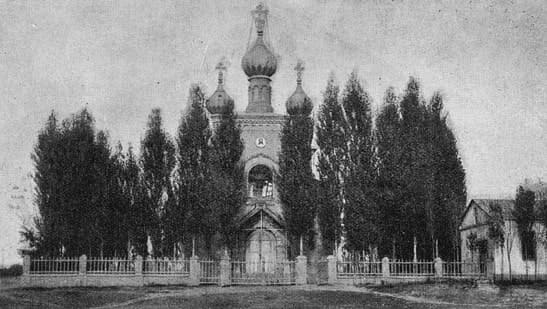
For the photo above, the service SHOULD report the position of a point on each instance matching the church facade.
(262, 234)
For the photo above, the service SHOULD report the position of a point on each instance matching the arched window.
(260, 182)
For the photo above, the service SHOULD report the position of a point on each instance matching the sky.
(122, 58)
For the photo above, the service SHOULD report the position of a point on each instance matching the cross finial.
(260, 14)
(221, 67)
(299, 68)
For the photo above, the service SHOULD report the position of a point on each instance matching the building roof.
(507, 206)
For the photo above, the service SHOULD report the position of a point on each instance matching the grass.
(512, 296)
(425, 296)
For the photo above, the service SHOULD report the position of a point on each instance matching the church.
(262, 235)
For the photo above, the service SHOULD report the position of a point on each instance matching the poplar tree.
(296, 182)
(389, 182)
(448, 189)
(46, 234)
(416, 173)
(158, 161)
(361, 212)
(331, 143)
(525, 217)
(139, 212)
(194, 171)
(226, 185)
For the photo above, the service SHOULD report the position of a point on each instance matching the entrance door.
(261, 252)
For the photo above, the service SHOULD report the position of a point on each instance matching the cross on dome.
(299, 68)
(260, 14)
(221, 67)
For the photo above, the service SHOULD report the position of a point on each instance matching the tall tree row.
(78, 191)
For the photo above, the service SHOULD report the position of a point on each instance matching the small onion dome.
(299, 103)
(259, 59)
(220, 102)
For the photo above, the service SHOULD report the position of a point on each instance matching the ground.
(403, 296)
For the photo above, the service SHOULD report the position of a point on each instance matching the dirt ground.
(408, 296)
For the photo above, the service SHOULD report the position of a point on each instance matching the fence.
(167, 266)
(54, 266)
(209, 272)
(411, 269)
(110, 266)
(386, 271)
(464, 270)
(264, 272)
(353, 269)
(137, 272)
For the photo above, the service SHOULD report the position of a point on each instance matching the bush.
(12, 271)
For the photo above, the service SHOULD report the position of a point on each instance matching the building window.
(260, 182)
(528, 246)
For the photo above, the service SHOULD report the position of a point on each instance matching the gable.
(474, 215)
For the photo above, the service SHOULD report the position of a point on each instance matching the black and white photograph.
(273, 154)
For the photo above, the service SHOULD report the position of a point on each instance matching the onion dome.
(259, 59)
(299, 103)
(220, 102)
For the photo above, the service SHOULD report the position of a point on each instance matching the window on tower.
(260, 182)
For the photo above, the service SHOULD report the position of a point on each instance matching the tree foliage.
(193, 207)
(525, 217)
(331, 143)
(78, 191)
(226, 184)
(361, 211)
(296, 183)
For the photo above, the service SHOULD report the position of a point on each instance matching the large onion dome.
(220, 102)
(299, 103)
(259, 59)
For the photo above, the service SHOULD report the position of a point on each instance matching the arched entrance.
(260, 254)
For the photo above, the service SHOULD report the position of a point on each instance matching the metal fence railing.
(110, 266)
(209, 272)
(464, 270)
(166, 266)
(359, 269)
(263, 272)
(54, 266)
(411, 269)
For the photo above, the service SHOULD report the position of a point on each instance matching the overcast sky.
(122, 58)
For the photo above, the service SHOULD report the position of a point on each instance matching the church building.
(262, 235)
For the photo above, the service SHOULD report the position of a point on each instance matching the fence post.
(224, 279)
(82, 271)
(194, 271)
(438, 267)
(26, 269)
(301, 269)
(138, 270)
(490, 269)
(385, 267)
(331, 269)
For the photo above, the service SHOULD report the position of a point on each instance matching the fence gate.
(262, 273)
(209, 272)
